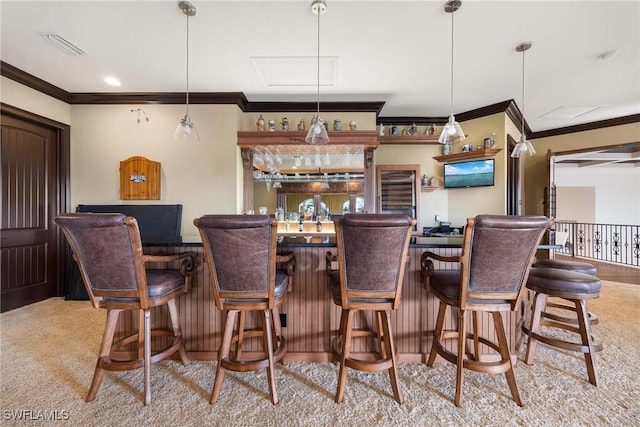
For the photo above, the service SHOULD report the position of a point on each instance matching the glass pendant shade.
(317, 133)
(451, 132)
(523, 147)
(186, 131)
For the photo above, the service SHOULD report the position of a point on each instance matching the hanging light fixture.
(452, 131)
(186, 130)
(523, 146)
(317, 133)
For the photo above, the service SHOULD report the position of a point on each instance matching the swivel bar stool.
(571, 286)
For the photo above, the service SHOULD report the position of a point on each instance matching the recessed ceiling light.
(112, 81)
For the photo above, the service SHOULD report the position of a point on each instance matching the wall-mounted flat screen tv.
(473, 173)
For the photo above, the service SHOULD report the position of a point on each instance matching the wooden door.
(30, 254)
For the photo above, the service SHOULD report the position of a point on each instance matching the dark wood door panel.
(28, 255)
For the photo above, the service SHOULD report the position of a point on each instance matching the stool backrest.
(240, 251)
(372, 255)
(108, 251)
(497, 254)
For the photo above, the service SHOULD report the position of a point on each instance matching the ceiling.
(625, 155)
(395, 52)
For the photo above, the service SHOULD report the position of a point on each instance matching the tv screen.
(474, 173)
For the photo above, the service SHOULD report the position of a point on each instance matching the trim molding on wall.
(624, 120)
(238, 98)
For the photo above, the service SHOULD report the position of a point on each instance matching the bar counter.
(310, 318)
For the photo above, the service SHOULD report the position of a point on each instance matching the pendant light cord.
(452, 63)
(522, 130)
(318, 68)
(187, 65)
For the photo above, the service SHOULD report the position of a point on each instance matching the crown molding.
(617, 121)
(16, 74)
(238, 98)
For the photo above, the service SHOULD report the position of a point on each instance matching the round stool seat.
(563, 283)
(577, 266)
(568, 285)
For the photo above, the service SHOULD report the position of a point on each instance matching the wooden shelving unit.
(487, 152)
(408, 139)
(428, 188)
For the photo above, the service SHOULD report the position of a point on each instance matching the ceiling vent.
(296, 70)
(62, 43)
(569, 112)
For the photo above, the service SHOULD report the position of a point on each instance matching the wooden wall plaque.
(139, 179)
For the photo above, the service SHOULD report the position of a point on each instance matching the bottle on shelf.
(301, 224)
(318, 225)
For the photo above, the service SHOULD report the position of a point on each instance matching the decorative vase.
(446, 149)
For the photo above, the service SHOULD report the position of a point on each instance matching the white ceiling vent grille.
(569, 112)
(296, 70)
(62, 43)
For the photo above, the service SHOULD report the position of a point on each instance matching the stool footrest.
(593, 319)
(567, 345)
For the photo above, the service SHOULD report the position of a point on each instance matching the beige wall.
(455, 205)
(535, 167)
(202, 176)
(207, 177)
(27, 99)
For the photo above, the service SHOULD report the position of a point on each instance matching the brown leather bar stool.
(241, 253)
(371, 259)
(577, 266)
(569, 265)
(488, 276)
(114, 269)
(572, 286)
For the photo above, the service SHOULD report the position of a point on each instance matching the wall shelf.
(428, 188)
(486, 152)
(408, 139)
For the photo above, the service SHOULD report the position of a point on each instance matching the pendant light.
(317, 132)
(186, 130)
(452, 131)
(523, 146)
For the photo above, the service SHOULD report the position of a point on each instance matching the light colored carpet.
(48, 353)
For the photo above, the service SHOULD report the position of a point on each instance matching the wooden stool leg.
(240, 342)
(539, 305)
(105, 350)
(223, 353)
(177, 330)
(476, 340)
(587, 340)
(147, 356)
(391, 353)
(506, 357)
(346, 323)
(382, 346)
(269, 350)
(462, 333)
(437, 334)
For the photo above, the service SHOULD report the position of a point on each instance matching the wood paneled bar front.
(309, 316)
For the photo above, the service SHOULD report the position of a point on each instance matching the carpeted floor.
(48, 353)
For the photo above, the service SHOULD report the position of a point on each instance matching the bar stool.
(568, 285)
(577, 266)
(371, 258)
(569, 265)
(240, 251)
